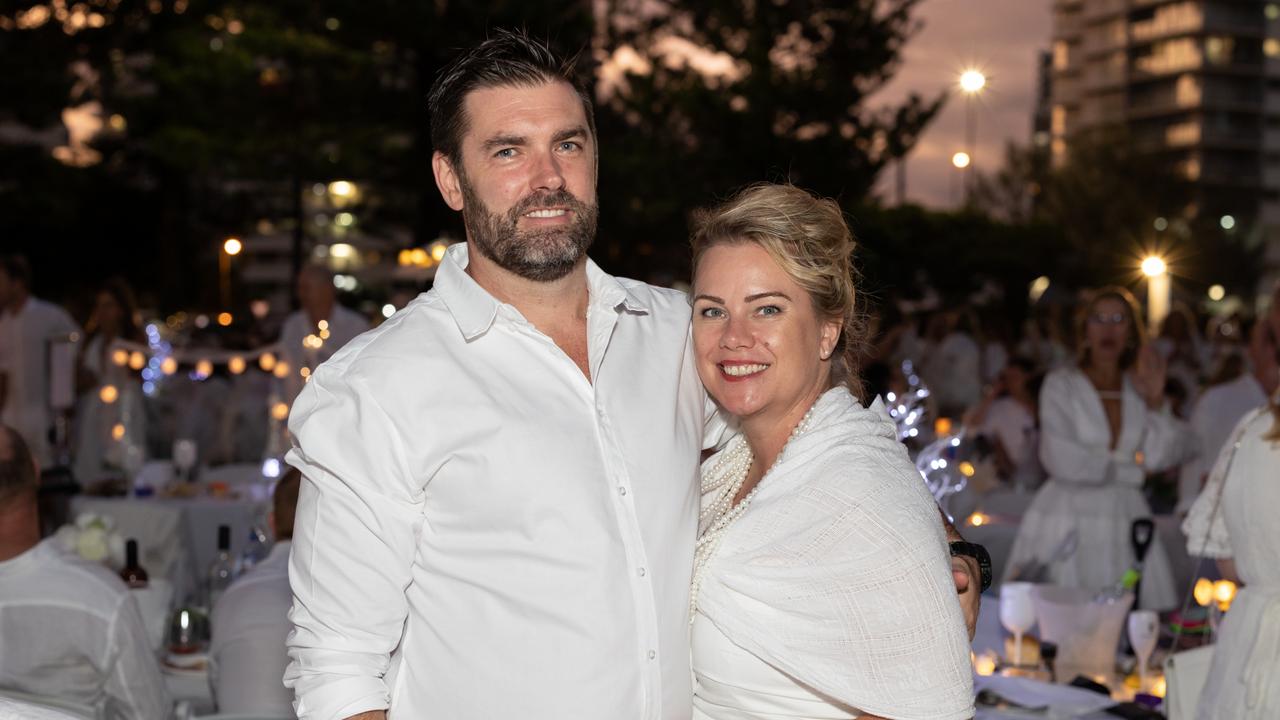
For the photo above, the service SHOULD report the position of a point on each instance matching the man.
(500, 490)
(27, 324)
(247, 655)
(69, 628)
(319, 328)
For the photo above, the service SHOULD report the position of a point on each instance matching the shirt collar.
(474, 309)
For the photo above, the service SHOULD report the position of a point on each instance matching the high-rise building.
(1197, 81)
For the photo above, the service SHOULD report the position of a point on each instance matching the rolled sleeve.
(355, 537)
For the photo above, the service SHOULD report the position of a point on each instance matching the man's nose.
(547, 173)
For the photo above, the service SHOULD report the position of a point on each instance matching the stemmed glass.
(1144, 631)
(1017, 613)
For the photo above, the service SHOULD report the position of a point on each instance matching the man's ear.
(447, 181)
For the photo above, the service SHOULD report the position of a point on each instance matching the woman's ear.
(830, 335)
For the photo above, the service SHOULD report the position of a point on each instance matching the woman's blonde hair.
(809, 239)
(1135, 335)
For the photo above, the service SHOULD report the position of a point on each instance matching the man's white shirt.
(70, 629)
(247, 655)
(24, 336)
(483, 531)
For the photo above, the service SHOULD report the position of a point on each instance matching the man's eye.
(505, 153)
(570, 146)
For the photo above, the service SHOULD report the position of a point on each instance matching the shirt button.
(641, 571)
(622, 490)
(653, 654)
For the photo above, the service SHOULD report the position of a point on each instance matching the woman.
(820, 584)
(105, 432)
(1104, 426)
(1233, 520)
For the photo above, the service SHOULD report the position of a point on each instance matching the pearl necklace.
(727, 476)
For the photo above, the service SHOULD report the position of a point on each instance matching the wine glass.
(1144, 630)
(184, 457)
(1017, 613)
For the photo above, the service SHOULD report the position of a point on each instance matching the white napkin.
(1062, 700)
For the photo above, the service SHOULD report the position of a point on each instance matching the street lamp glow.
(1227, 222)
(960, 160)
(232, 246)
(972, 81)
(342, 188)
(1217, 292)
(1153, 266)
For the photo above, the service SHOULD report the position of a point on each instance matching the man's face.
(528, 179)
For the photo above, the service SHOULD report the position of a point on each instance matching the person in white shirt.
(500, 495)
(1221, 406)
(69, 628)
(250, 621)
(27, 324)
(319, 328)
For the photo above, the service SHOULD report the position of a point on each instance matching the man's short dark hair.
(509, 58)
(17, 268)
(17, 468)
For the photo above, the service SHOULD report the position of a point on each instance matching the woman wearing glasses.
(1104, 426)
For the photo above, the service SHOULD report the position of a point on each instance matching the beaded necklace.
(727, 475)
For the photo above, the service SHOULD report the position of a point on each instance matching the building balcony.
(1104, 9)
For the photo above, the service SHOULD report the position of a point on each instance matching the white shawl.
(838, 572)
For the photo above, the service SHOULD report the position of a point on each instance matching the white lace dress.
(1244, 681)
(1095, 491)
(832, 595)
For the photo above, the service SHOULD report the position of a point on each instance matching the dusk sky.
(1000, 37)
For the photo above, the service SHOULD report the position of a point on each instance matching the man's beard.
(542, 255)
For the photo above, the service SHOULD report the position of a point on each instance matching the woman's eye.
(770, 310)
(712, 312)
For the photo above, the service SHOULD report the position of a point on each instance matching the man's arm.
(354, 541)
(968, 578)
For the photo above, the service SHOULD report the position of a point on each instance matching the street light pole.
(231, 246)
(971, 83)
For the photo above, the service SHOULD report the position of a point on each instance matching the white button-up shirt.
(24, 360)
(247, 655)
(484, 532)
(70, 629)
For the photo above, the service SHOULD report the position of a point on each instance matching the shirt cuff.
(339, 699)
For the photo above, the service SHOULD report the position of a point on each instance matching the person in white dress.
(820, 576)
(1233, 521)
(1104, 425)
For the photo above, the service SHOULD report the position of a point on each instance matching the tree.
(723, 93)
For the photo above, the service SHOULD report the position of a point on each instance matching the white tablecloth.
(178, 537)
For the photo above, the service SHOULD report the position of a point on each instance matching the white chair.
(15, 704)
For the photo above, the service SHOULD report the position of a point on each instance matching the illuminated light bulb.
(204, 368)
(304, 372)
(267, 361)
(1217, 292)
(972, 81)
(169, 366)
(1159, 687)
(322, 325)
(984, 664)
(977, 519)
(438, 250)
(1203, 591)
(232, 246)
(942, 426)
(224, 319)
(236, 365)
(967, 469)
(117, 431)
(281, 370)
(137, 360)
(1224, 591)
(961, 160)
(280, 411)
(1153, 266)
(324, 335)
(108, 394)
(120, 357)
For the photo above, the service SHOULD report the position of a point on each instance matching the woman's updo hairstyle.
(809, 239)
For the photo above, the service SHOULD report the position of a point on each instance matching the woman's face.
(1107, 331)
(761, 348)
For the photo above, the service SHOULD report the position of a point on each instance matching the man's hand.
(964, 570)
(968, 579)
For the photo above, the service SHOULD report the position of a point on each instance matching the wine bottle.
(222, 569)
(133, 574)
